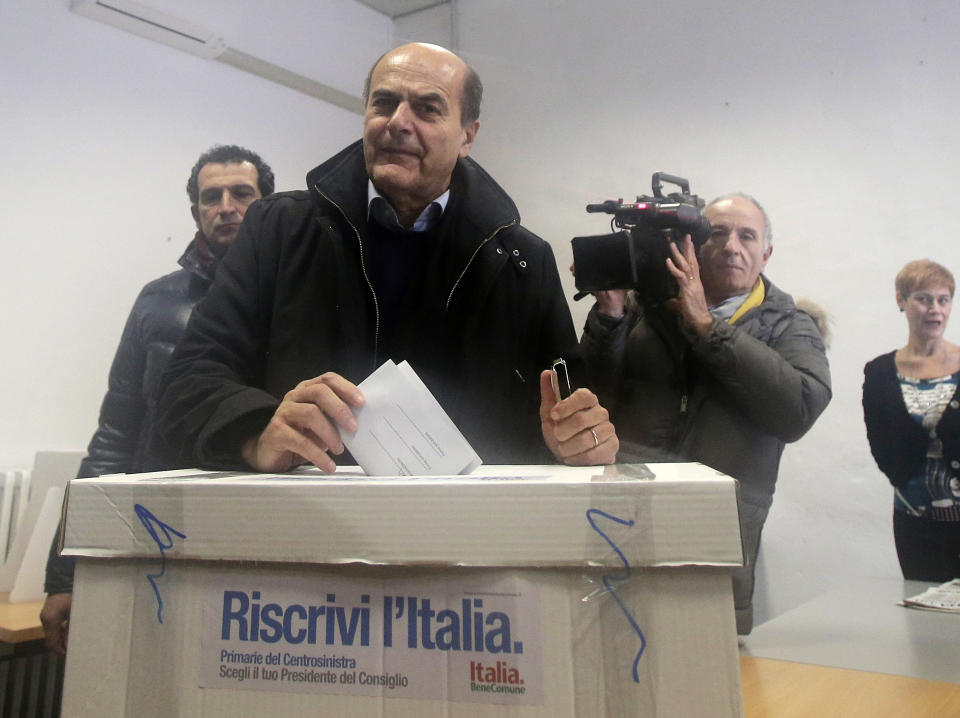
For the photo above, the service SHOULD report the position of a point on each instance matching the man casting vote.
(401, 248)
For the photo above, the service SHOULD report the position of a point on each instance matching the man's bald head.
(471, 93)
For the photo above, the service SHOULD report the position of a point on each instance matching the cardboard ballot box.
(515, 591)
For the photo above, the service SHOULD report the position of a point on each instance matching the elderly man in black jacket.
(223, 183)
(403, 248)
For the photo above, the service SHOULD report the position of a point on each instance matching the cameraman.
(725, 373)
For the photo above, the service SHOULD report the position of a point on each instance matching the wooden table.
(784, 689)
(19, 622)
(859, 626)
(854, 652)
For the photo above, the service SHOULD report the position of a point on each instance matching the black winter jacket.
(293, 300)
(123, 441)
(897, 442)
(154, 326)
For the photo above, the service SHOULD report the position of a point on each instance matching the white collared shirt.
(380, 209)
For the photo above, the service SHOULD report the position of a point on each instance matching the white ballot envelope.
(403, 430)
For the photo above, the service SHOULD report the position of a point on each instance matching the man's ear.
(195, 211)
(900, 301)
(469, 134)
(766, 257)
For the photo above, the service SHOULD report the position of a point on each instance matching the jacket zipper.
(363, 268)
(683, 425)
(470, 261)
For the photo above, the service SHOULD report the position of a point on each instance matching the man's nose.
(401, 118)
(733, 243)
(722, 242)
(227, 203)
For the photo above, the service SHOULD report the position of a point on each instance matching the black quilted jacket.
(123, 441)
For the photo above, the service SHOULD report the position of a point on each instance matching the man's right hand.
(304, 426)
(55, 617)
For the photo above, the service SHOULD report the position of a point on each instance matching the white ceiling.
(397, 8)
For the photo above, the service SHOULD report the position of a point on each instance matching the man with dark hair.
(724, 374)
(403, 248)
(229, 154)
(222, 185)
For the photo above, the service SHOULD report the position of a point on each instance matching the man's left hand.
(55, 618)
(577, 429)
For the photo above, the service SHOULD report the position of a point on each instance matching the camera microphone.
(609, 206)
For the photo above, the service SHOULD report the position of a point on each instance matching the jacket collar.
(481, 202)
(198, 259)
(764, 317)
(774, 297)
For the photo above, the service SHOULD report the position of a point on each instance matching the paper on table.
(945, 597)
(403, 430)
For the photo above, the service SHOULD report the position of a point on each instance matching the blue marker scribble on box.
(155, 527)
(608, 580)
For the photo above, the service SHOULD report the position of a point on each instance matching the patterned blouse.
(934, 494)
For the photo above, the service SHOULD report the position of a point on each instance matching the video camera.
(635, 256)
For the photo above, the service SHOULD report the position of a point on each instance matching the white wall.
(100, 129)
(839, 118)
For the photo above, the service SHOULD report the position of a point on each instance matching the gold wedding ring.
(596, 439)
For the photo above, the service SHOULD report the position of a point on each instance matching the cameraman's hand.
(690, 303)
(610, 302)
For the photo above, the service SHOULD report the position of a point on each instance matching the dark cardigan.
(897, 442)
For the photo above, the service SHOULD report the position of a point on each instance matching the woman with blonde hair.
(911, 406)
